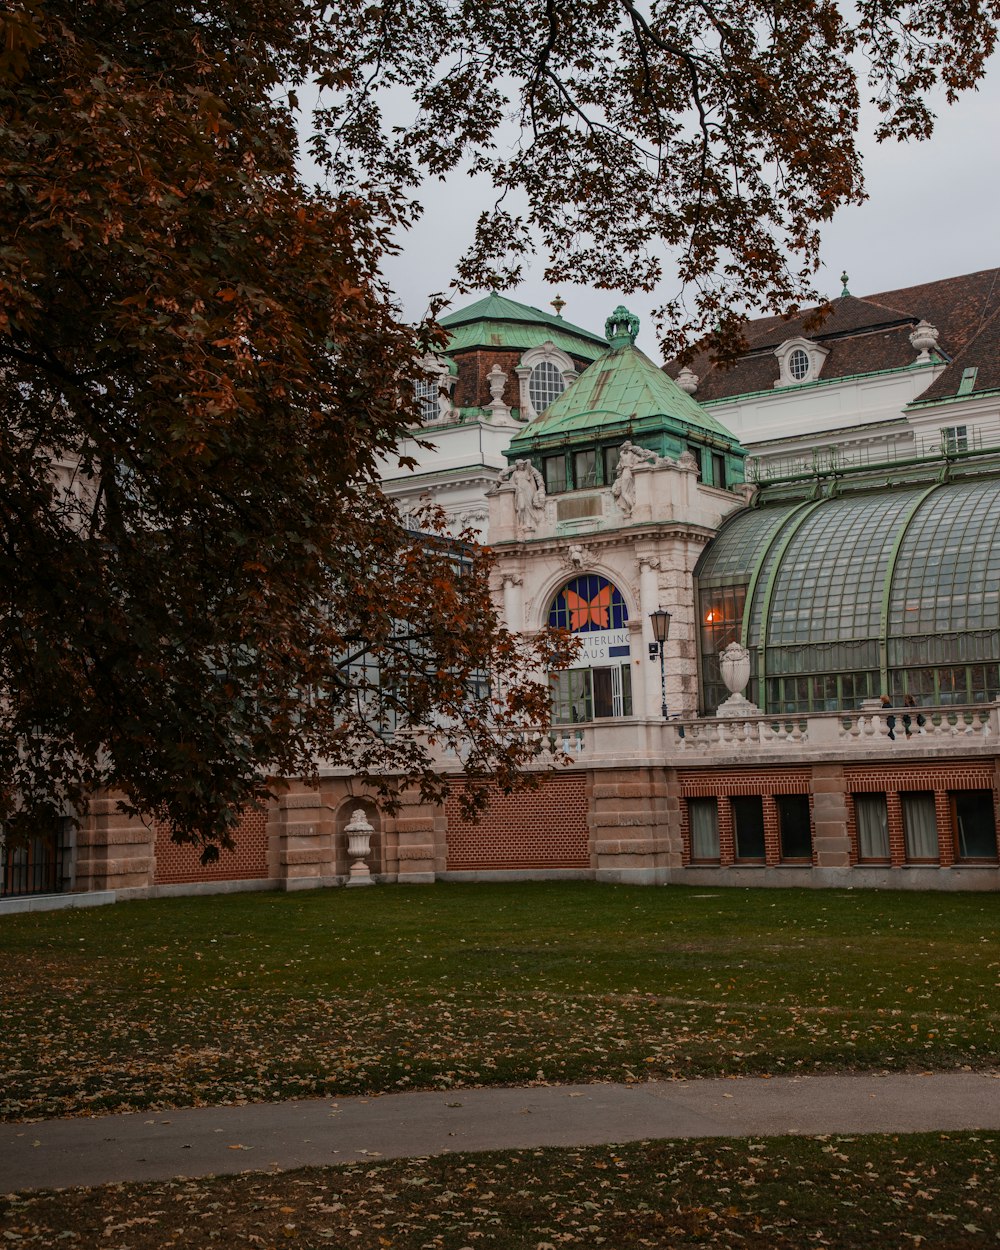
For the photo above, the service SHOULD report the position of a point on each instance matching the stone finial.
(734, 664)
(923, 338)
(687, 380)
(499, 411)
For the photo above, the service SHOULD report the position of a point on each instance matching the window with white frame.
(545, 384)
(955, 438)
(799, 360)
(544, 373)
(432, 388)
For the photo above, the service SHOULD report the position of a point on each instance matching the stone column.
(646, 699)
(513, 601)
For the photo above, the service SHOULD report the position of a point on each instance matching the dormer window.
(799, 361)
(544, 373)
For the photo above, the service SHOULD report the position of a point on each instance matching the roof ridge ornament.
(622, 328)
(843, 281)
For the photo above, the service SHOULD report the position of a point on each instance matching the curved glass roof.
(903, 581)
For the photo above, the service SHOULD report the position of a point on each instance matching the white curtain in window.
(704, 828)
(920, 825)
(873, 826)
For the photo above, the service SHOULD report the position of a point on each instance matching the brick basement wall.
(180, 865)
(544, 828)
(766, 782)
(894, 780)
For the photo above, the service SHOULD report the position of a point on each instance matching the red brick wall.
(176, 865)
(544, 828)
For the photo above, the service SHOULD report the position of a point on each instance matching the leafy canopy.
(202, 585)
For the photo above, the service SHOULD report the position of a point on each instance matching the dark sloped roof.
(982, 353)
(864, 335)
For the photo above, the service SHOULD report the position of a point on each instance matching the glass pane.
(572, 700)
(748, 819)
(873, 826)
(584, 468)
(975, 824)
(554, 472)
(611, 455)
(704, 817)
(796, 830)
(920, 825)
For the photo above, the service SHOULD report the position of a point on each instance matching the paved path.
(264, 1136)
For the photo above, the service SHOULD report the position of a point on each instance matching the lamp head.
(661, 624)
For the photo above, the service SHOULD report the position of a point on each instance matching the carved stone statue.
(529, 492)
(629, 459)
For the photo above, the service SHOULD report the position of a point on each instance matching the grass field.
(852, 1193)
(264, 996)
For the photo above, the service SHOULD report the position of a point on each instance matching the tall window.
(554, 472)
(748, 823)
(794, 825)
(703, 815)
(545, 384)
(975, 824)
(428, 392)
(872, 818)
(920, 825)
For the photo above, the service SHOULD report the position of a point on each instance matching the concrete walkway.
(264, 1136)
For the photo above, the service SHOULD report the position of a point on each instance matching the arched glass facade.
(893, 592)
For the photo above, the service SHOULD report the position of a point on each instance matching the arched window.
(588, 603)
(798, 364)
(600, 682)
(545, 384)
(543, 375)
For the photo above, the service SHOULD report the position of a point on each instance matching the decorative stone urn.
(734, 664)
(359, 844)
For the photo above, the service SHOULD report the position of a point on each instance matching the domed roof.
(496, 321)
(902, 583)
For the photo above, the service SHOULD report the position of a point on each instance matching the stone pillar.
(513, 601)
(417, 830)
(629, 825)
(647, 698)
(114, 851)
(832, 841)
(303, 833)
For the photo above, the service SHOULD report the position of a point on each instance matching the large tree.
(202, 585)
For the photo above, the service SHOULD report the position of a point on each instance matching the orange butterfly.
(582, 613)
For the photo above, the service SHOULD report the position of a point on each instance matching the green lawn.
(263, 996)
(853, 1193)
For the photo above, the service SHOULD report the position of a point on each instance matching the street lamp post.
(661, 629)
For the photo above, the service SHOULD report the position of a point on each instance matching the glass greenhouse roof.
(903, 582)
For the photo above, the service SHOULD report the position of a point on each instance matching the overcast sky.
(933, 212)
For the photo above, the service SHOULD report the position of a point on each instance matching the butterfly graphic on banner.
(584, 612)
